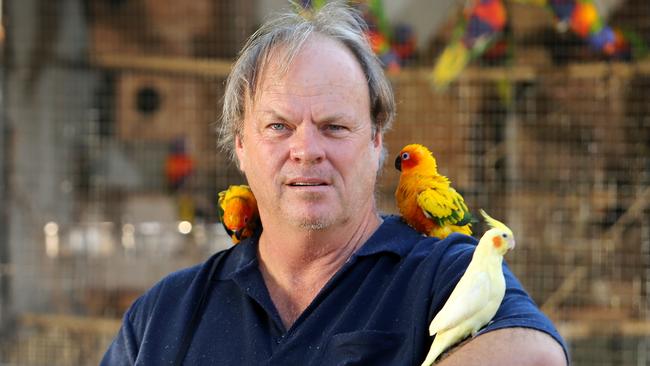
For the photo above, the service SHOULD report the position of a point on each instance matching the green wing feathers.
(445, 207)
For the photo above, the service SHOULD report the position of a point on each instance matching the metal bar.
(607, 244)
(5, 289)
(221, 68)
(175, 65)
(584, 329)
(71, 322)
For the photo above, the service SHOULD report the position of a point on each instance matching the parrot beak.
(239, 233)
(511, 245)
(398, 163)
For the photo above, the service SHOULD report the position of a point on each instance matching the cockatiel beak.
(511, 245)
(398, 163)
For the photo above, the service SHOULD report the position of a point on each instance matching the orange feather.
(238, 212)
(425, 198)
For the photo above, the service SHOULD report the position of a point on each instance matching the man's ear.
(378, 142)
(239, 151)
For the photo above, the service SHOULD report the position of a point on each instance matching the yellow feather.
(494, 223)
(450, 64)
(478, 294)
(238, 212)
(425, 198)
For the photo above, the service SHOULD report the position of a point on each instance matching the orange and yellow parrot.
(425, 198)
(238, 212)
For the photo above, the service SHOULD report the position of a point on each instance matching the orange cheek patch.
(497, 241)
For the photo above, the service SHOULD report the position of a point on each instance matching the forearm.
(510, 346)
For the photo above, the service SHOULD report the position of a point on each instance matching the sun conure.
(425, 198)
(238, 212)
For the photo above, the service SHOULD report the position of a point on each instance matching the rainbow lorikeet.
(178, 165)
(483, 23)
(583, 18)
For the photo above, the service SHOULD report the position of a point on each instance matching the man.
(328, 281)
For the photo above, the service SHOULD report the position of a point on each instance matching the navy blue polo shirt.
(374, 311)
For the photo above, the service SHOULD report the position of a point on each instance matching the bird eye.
(504, 235)
(405, 156)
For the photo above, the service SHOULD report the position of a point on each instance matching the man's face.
(307, 146)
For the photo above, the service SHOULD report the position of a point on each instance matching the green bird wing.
(445, 206)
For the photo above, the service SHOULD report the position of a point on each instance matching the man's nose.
(307, 145)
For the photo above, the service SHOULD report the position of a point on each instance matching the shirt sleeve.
(124, 348)
(517, 310)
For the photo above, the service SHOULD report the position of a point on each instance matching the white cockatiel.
(478, 294)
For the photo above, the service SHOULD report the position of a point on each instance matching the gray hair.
(288, 32)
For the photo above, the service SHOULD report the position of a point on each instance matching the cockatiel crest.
(499, 230)
(478, 294)
(425, 198)
(238, 212)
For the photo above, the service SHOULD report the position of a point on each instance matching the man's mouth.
(306, 183)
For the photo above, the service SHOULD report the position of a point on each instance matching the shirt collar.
(242, 258)
(392, 236)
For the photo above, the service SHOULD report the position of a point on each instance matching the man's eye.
(277, 126)
(335, 127)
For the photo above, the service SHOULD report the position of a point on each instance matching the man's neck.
(296, 265)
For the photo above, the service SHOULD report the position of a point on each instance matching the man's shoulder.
(179, 280)
(395, 235)
(181, 285)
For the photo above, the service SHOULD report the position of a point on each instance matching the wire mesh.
(109, 169)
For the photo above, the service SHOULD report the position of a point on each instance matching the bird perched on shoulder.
(477, 296)
(238, 212)
(425, 198)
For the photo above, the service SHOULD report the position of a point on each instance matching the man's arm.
(508, 346)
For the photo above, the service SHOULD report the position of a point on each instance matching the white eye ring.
(405, 156)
